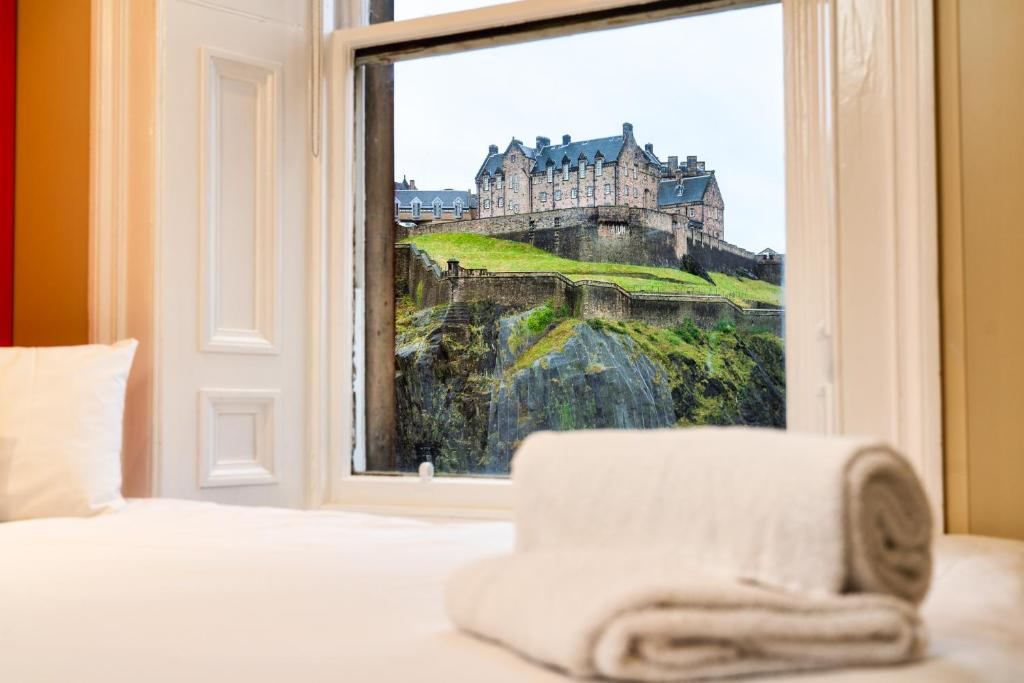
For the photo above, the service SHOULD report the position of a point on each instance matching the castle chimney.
(492, 149)
(543, 141)
(566, 139)
(627, 129)
(690, 160)
(649, 147)
(412, 184)
(673, 164)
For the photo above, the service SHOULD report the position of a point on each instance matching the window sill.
(411, 497)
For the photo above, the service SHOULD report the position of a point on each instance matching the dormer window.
(598, 166)
(511, 158)
(583, 168)
(458, 207)
(565, 170)
(416, 204)
(397, 205)
(487, 182)
(551, 173)
(500, 182)
(436, 204)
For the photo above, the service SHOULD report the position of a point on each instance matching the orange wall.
(981, 155)
(51, 201)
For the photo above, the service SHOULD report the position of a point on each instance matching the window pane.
(553, 302)
(411, 9)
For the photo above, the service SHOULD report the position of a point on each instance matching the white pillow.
(63, 408)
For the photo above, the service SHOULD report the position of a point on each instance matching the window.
(458, 207)
(396, 208)
(451, 427)
(436, 204)
(487, 182)
(692, 212)
(626, 193)
(635, 173)
(487, 203)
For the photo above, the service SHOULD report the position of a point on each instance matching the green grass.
(477, 251)
(554, 340)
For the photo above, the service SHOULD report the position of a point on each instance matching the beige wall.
(51, 203)
(981, 150)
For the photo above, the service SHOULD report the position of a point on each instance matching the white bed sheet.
(170, 590)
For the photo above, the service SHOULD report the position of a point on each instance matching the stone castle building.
(432, 206)
(612, 171)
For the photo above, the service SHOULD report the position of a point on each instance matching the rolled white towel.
(802, 512)
(648, 616)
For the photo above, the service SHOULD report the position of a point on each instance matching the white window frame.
(437, 208)
(583, 168)
(598, 167)
(458, 207)
(417, 207)
(862, 352)
(551, 173)
(487, 182)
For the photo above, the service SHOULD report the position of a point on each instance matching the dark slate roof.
(693, 190)
(608, 147)
(492, 164)
(447, 197)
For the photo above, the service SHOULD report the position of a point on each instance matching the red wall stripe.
(8, 74)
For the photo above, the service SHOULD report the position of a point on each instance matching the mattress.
(169, 590)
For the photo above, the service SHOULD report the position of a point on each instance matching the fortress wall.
(587, 299)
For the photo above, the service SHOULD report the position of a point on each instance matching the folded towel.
(648, 616)
(801, 512)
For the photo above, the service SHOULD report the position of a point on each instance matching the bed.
(169, 590)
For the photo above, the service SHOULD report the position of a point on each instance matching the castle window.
(565, 170)
(500, 182)
(458, 208)
(590, 190)
(599, 166)
(487, 182)
(436, 204)
(487, 203)
(514, 183)
(512, 158)
(607, 188)
(551, 173)
(396, 208)
(583, 168)
(573, 193)
(416, 203)
(543, 196)
(635, 172)
(501, 202)
(692, 212)
(558, 195)
(636, 192)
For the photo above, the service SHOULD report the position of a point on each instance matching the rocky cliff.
(475, 379)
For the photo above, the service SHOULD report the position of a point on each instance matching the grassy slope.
(477, 251)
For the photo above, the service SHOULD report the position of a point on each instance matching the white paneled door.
(234, 147)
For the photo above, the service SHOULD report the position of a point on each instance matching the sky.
(708, 85)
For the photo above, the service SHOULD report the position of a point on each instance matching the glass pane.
(587, 234)
(411, 9)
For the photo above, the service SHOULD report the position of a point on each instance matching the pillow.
(63, 408)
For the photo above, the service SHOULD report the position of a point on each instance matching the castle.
(612, 171)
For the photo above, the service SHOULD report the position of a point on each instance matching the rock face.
(597, 379)
(475, 379)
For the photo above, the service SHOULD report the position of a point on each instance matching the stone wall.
(612, 234)
(429, 285)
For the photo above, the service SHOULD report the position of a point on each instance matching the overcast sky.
(707, 85)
